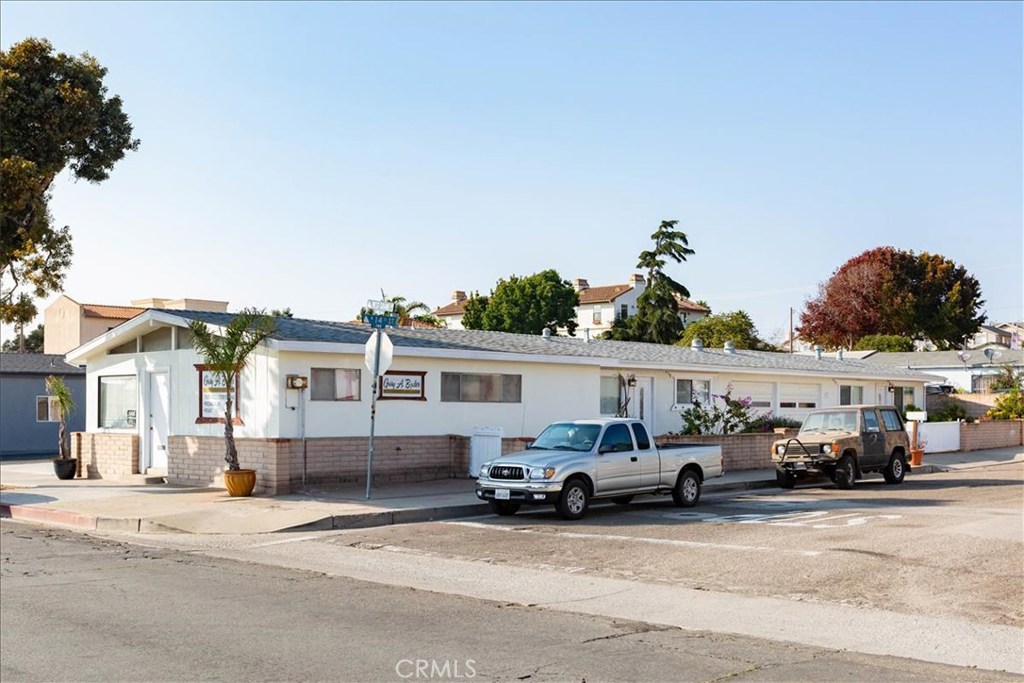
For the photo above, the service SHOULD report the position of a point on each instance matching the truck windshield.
(831, 421)
(566, 436)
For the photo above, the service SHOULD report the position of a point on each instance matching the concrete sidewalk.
(29, 491)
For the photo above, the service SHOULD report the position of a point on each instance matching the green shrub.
(1009, 406)
(949, 411)
(769, 422)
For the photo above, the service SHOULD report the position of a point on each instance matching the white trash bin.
(484, 446)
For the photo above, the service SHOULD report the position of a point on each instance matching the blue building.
(28, 425)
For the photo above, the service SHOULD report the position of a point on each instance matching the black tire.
(785, 479)
(846, 472)
(896, 469)
(503, 507)
(687, 490)
(574, 501)
(622, 500)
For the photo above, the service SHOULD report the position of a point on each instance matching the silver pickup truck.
(572, 463)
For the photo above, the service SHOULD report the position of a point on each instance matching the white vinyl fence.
(939, 437)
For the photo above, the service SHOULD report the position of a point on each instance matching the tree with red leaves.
(894, 292)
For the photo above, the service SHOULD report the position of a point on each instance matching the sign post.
(378, 360)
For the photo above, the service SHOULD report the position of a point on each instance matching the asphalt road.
(77, 607)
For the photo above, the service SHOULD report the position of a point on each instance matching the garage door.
(760, 393)
(796, 399)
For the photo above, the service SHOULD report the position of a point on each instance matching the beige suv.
(844, 442)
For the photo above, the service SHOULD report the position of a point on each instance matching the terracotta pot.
(240, 482)
(915, 456)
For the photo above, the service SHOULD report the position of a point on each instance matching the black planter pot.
(65, 468)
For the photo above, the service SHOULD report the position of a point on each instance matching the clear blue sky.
(309, 155)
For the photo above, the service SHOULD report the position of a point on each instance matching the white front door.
(641, 402)
(159, 411)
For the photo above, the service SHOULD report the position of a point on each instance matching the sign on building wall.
(407, 386)
(213, 397)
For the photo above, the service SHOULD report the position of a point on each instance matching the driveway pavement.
(29, 491)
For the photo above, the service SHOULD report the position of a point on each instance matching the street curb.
(41, 515)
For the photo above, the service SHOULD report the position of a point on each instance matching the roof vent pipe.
(818, 350)
(697, 344)
(546, 332)
(729, 347)
(839, 354)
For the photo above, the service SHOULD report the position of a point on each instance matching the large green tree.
(30, 343)
(54, 114)
(715, 330)
(894, 292)
(657, 311)
(525, 305)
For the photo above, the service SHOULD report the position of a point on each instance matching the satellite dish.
(964, 356)
(992, 354)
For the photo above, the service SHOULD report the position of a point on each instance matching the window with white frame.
(118, 400)
(689, 389)
(334, 384)
(850, 395)
(47, 409)
(597, 315)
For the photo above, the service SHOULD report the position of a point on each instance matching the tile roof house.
(69, 324)
(442, 385)
(28, 421)
(598, 307)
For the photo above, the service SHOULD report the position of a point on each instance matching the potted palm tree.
(64, 466)
(226, 356)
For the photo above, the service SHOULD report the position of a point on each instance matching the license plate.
(501, 494)
(799, 466)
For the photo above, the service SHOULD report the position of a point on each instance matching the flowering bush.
(731, 417)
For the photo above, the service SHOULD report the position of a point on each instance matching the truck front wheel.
(846, 472)
(573, 502)
(687, 490)
(785, 479)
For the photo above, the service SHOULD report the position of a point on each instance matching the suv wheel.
(846, 472)
(896, 469)
(573, 502)
(785, 479)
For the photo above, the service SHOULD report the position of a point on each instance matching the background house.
(69, 324)
(28, 421)
(597, 310)
(969, 371)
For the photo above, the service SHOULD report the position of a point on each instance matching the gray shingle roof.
(947, 359)
(299, 330)
(37, 364)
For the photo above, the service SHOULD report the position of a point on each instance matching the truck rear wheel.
(573, 502)
(503, 507)
(687, 490)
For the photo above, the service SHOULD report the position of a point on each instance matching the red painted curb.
(30, 513)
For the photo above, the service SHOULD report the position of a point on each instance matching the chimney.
(458, 296)
(818, 350)
(636, 280)
(697, 344)
(580, 284)
(729, 347)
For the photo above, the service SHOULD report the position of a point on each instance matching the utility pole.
(791, 329)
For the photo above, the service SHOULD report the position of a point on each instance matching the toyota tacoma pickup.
(844, 443)
(573, 463)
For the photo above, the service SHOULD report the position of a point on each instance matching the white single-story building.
(151, 405)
